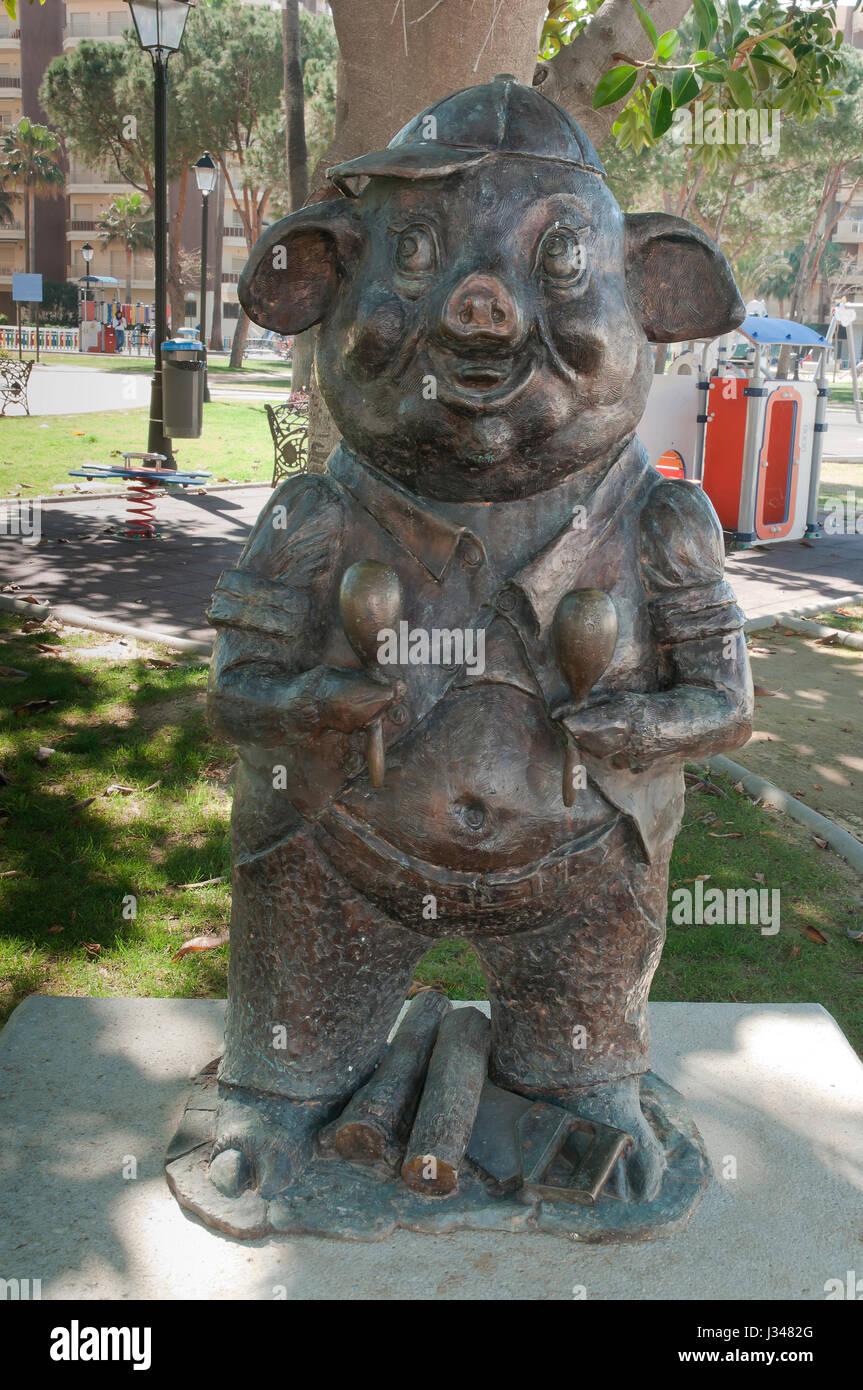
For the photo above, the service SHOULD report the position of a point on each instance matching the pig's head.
(486, 310)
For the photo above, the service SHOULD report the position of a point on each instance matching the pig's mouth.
(480, 382)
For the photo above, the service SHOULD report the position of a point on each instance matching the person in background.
(120, 331)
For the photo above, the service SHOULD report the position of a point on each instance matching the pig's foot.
(637, 1176)
(262, 1142)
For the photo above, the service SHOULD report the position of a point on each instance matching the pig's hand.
(329, 697)
(607, 730)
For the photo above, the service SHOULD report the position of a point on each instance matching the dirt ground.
(808, 735)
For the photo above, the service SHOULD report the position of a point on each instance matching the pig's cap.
(479, 123)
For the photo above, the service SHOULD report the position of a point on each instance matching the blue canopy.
(763, 330)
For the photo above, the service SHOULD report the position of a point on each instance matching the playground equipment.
(142, 495)
(753, 442)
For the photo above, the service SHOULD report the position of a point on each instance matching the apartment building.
(64, 225)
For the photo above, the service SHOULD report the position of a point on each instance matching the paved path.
(167, 584)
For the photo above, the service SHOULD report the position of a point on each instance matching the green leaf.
(660, 111)
(734, 14)
(713, 74)
(684, 88)
(667, 44)
(739, 88)
(762, 74)
(647, 23)
(780, 53)
(614, 85)
(706, 18)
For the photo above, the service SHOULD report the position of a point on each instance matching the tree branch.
(570, 77)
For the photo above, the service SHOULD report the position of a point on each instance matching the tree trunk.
(29, 213)
(296, 155)
(239, 341)
(176, 288)
(128, 274)
(295, 116)
(216, 344)
(302, 360)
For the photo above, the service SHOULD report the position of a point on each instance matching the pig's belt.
(379, 869)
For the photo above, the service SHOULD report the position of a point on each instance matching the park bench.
(14, 377)
(289, 426)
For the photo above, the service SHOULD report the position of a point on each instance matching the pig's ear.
(295, 269)
(679, 280)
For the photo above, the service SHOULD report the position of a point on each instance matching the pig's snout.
(481, 312)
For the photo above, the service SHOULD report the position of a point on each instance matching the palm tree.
(29, 153)
(129, 221)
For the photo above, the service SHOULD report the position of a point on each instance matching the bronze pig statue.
(561, 636)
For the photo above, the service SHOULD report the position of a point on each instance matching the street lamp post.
(159, 25)
(205, 177)
(87, 253)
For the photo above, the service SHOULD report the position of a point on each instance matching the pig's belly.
(480, 787)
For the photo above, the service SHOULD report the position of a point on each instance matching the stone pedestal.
(91, 1091)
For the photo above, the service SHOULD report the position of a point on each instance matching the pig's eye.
(415, 251)
(561, 256)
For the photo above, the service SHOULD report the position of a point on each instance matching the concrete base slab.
(91, 1091)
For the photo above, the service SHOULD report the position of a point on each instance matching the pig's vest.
(527, 601)
(602, 554)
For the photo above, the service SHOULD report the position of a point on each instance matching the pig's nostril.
(465, 313)
(497, 313)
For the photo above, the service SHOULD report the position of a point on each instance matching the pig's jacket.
(471, 802)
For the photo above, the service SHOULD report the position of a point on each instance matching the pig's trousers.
(318, 974)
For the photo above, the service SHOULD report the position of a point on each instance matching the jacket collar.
(428, 537)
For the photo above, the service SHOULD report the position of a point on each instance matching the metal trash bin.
(183, 367)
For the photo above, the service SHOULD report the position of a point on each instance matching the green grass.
(849, 620)
(132, 724)
(39, 451)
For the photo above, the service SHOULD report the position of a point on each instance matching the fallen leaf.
(153, 786)
(118, 787)
(202, 883)
(762, 690)
(822, 844)
(814, 934)
(158, 662)
(79, 805)
(92, 948)
(738, 786)
(726, 835)
(199, 943)
(762, 651)
(43, 647)
(35, 706)
(759, 878)
(52, 931)
(829, 641)
(809, 544)
(852, 935)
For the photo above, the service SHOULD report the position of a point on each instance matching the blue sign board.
(27, 288)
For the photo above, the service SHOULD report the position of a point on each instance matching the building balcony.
(84, 180)
(233, 233)
(10, 88)
(80, 226)
(849, 230)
